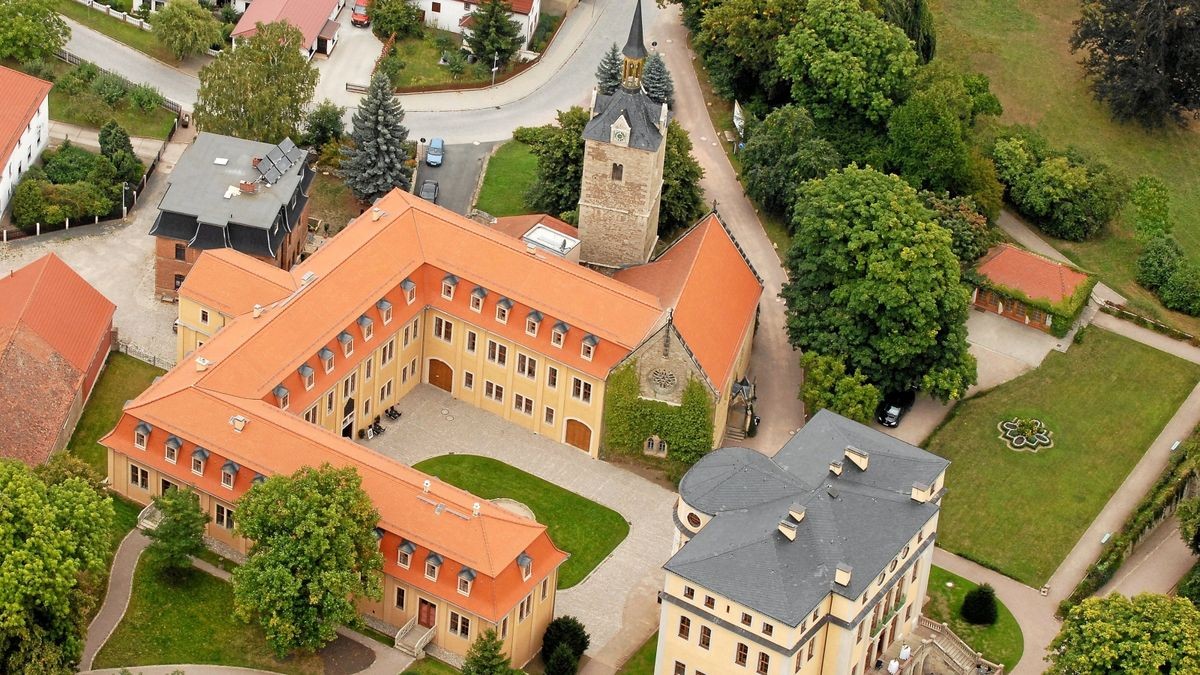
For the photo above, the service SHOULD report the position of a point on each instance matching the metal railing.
(955, 649)
(127, 347)
(404, 631)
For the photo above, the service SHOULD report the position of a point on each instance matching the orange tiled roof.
(517, 226)
(1037, 277)
(22, 95)
(52, 324)
(307, 15)
(232, 282)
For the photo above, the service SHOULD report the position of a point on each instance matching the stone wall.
(664, 366)
(618, 219)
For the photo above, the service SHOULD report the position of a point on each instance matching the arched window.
(618, 170)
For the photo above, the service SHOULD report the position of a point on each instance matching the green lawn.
(141, 40)
(1105, 401)
(430, 666)
(642, 661)
(123, 379)
(999, 643)
(156, 123)
(1022, 46)
(510, 172)
(189, 621)
(579, 526)
(420, 56)
(126, 513)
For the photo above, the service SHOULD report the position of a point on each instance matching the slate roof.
(635, 46)
(639, 112)
(740, 553)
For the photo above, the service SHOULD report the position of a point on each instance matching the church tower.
(624, 147)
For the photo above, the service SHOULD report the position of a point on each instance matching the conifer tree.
(486, 656)
(494, 34)
(376, 162)
(656, 81)
(608, 73)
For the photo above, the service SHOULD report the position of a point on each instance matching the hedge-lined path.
(618, 600)
(1159, 563)
(116, 600)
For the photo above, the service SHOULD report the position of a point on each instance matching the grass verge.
(124, 377)
(1000, 642)
(579, 526)
(127, 34)
(430, 666)
(1105, 401)
(510, 172)
(642, 661)
(189, 621)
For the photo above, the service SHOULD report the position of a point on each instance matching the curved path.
(116, 600)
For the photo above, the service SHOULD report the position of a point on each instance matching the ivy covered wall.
(629, 420)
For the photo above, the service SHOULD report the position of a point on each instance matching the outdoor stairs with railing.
(412, 639)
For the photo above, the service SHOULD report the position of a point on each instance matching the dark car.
(359, 17)
(429, 190)
(893, 407)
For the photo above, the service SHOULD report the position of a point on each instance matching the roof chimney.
(377, 213)
(475, 509)
(248, 186)
(788, 529)
(258, 310)
(859, 457)
(238, 423)
(835, 468)
(531, 249)
(202, 364)
(425, 485)
(842, 575)
(921, 492)
(796, 511)
(254, 161)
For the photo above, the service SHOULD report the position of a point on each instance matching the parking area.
(618, 600)
(458, 175)
(352, 61)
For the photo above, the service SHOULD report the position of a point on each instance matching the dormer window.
(199, 457)
(448, 285)
(404, 554)
(477, 297)
(410, 291)
(367, 326)
(281, 396)
(308, 376)
(258, 479)
(141, 433)
(502, 308)
(532, 322)
(559, 334)
(347, 341)
(433, 563)
(526, 564)
(465, 578)
(588, 348)
(228, 474)
(385, 311)
(172, 449)
(326, 356)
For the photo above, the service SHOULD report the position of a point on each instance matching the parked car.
(435, 152)
(893, 407)
(429, 190)
(358, 16)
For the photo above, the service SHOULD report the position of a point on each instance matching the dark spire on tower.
(635, 46)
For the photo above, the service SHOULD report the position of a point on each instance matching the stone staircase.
(412, 638)
(734, 434)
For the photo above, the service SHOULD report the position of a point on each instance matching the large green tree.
(30, 30)
(828, 385)
(185, 28)
(782, 152)
(1115, 634)
(314, 552)
(377, 160)
(1143, 57)
(970, 234)
(842, 60)
(682, 198)
(559, 151)
(180, 533)
(873, 280)
(495, 36)
(911, 16)
(52, 536)
(260, 90)
(657, 82)
(736, 37)
(394, 17)
(324, 124)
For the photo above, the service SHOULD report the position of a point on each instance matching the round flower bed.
(1025, 434)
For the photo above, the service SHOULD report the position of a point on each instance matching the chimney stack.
(788, 529)
(859, 457)
(475, 509)
(258, 311)
(842, 575)
(254, 161)
(921, 492)
(835, 468)
(425, 486)
(247, 186)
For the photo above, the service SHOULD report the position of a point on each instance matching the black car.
(429, 190)
(894, 406)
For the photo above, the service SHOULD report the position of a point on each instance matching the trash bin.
(187, 120)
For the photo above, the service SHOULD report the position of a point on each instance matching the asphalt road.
(458, 175)
(134, 65)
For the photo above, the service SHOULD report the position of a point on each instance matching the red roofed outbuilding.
(1028, 288)
(316, 19)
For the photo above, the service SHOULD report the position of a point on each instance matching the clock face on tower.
(619, 136)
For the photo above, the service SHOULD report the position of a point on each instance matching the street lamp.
(495, 60)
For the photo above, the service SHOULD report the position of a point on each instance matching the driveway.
(352, 61)
(618, 600)
(458, 175)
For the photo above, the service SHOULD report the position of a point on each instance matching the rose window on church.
(663, 380)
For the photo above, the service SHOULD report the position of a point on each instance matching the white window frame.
(284, 401)
(386, 315)
(493, 391)
(447, 290)
(225, 522)
(403, 559)
(348, 346)
(586, 351)
(139, 435)
(464, 586)
(310, 381)
(410, 295)
(556, 338)
(531, 327)
(435, 568)
(368, 332)
(460, 625)
(328, 363)
(523, 404)
(142, 476)
(472, 341)
(526, 366)
(368, 367)
(525, 608)
(526, 571)
(548, 416)
(202, 463)
(204, 317)
(387, 352)
(171, 455)
(468, 380)
(502, 314)
(552, 377)
(310, 415)
(497, 353)
(385, 392)
(476, 303)
(227, 479)
(443, 329)
(585, 390)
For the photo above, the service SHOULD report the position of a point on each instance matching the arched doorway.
(441, 375)
(579, 435)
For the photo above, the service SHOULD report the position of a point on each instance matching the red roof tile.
(307, 15)
(1037, 277)
(22, 96)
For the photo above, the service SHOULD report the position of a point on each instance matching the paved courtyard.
(352, 61)
(617, 601)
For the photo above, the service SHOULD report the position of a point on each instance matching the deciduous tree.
(682, 198)
(185, 28)
(494, 35)
(1189, 523)
(394, 17)
(873, 280)
(781, 152)
(180, 533)
(31, 30)
(314, 552)
(1158, 261)
(325, 124)
(1143, 57)
(915, 19)
(559, 150)
(260, 90)
(970, 234)
(736, 39)
(377, 160)
(1115, 634)
(828, 385)
(608, 72)
(486, 656)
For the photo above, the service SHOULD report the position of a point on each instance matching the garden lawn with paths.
(123, 379)
(142, 40)
(1000, 642)
(189, 621)
(1022, 46)
(430, 666)
(510, 172)
(579, 526)
(1105, 401)
(642, 661)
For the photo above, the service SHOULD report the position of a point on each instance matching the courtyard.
(617, 601)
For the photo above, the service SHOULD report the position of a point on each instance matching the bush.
(566, 631)
(28, 203)
(110, 88)
(76, 80)
(979, 606)
(1181, 292)
(121, 5)
(393, 68)
(145, 97)
(547, 24)
(68, 164)
(1151, 201)
(1189, 586)
(562, 662)
(39, 69)
(1160, 258)
(229, 15)
(394, 17)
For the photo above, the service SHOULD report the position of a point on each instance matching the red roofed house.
(316, 19)
(1030, 289)
(455, 16)
(55, 333)
(24, 127)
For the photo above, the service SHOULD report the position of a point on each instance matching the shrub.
(229, 15)
(29, 203)
(562, 662)
(121, 5)
(1159, 259)
(39, 68)
(566, 631)
(68, 164)
(110, 88)
(1189, 587)
(979, 606)
(392, 66)
(394, 17)
(77, 79)
(145, 97)
(1181, 292)
(1151, 201)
